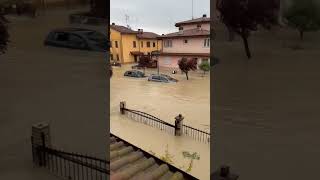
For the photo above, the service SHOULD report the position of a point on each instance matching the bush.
(204, 66)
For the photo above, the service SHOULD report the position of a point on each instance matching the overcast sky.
(157, 16)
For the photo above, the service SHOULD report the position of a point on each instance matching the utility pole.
(192, 9)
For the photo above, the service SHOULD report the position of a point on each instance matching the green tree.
(187, 65)
(4, 34)
(204, 66)
(245, 16)
(304, 16)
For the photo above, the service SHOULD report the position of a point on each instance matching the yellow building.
(127, 45)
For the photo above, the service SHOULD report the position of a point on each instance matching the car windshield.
(168, 77)
(95, 36)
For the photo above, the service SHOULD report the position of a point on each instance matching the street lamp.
(157, 54)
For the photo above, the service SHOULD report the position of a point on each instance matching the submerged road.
(66, 88)
(266, 110)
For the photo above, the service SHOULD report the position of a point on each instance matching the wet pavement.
(191, 98)
(64, 87)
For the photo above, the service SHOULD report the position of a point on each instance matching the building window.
(116, 44)
(154, 44)
(148, 44)
(118, 57)
(206, 42)
(186, 41)
(168, 43)
(134, 44)
(199, 26)
(142, 44)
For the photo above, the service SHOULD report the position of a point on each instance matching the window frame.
(116, 44)
(148, 44)
(206, 43)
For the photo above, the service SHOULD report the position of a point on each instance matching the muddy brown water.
(191, 98)
(64, 87)
(265, 110)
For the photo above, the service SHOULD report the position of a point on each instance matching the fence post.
(178, 125)
(224, 174)
(40, 140)
(122, 107)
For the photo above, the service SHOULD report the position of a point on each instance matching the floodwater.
(191, 98)
(266, 110)
(64, 87)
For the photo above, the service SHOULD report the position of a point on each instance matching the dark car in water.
(134, 73)
(161, 78)
(77, 38)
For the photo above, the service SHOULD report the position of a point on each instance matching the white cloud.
(158, 16)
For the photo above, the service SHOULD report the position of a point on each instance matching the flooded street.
(266, 110)
(64, 87)
(191, 98)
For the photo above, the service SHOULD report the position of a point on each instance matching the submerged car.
(77, 38)
(161, 78)
(134, 73)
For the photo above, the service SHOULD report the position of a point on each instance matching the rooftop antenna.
(127, 19)
(192, 9)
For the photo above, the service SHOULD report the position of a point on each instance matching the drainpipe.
(121, 49)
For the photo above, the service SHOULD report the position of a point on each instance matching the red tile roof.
(130, 162)
(147, 35)
(194, 21)
(123, 29)
(187, 33)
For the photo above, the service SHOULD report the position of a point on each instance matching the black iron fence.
(153, 121)
(196, 133)
(150, 120)
(72, 166)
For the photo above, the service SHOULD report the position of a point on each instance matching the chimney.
(113, 24)
(204, 15)
(140, 31)
(162, 34)
(180, 30)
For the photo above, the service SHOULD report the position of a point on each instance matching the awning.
(136, 53)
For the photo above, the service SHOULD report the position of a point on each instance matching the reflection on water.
(191, 98)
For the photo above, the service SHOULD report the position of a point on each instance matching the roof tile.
(128, 162)
(193, 21)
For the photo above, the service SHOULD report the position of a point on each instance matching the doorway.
(135, 58)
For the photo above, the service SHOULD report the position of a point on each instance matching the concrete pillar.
(122, 107)
(178, 125)
(40, 138)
